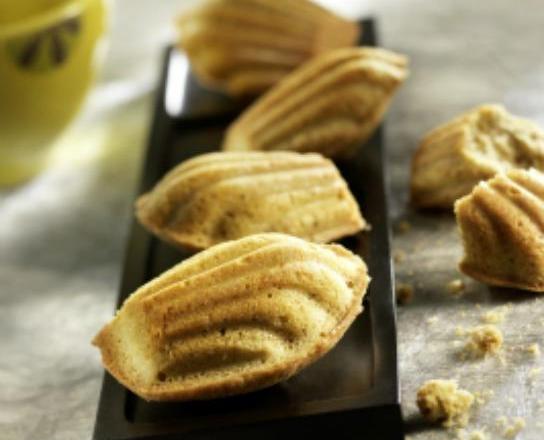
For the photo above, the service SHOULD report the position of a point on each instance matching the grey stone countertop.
(62, 236)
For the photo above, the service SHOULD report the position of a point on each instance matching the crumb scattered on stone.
(483, 340)
(456, 287)
(534, 373)
(534, 350)
(514, 428)
(501, 422)
(482, 397)
(495, 316)
(443, 401)
(404, 226)
(432, 320)
(399, 256)
(477, 435)
(460, 434)
(404, 293)
(460, 331)
(463, 434)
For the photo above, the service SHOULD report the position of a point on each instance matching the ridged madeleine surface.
(331, 105)
(452, 158)
(237, 317)
(246, 46)
(224, 196)
(502, 226)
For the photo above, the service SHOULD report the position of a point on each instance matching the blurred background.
(62, 234)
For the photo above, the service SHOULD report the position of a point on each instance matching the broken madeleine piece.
(224, 196)
(245, 46)
(234, 318)
(501, 224)
(454, 157)
(331, 105)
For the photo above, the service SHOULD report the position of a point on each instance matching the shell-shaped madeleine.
(246, 46)
(330, 105)
(237, 317)
(454, 157)
(224, 196)
(502, 227)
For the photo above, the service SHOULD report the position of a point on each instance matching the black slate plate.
(353, 392)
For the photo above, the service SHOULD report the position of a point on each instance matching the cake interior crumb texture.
(483, 340)
(454, 157)
(443, 401)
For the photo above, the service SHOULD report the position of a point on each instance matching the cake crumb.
(399, 256)
(477, 435)
(483, 340)
(460, 331)
(534, 350)
(404, 293)
(456, 287)
(463, 434)
(432, 320)
(495, 316)
(482, 397)
(443, 401)
(534, 373)
(404, 226)
(501, 422)
(511, 431)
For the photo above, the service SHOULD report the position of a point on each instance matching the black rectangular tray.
(353, 392)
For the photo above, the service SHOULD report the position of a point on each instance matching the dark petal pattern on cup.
(47, 49)
(29, 51)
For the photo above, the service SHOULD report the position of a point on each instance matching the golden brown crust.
(498, 281)
(502, 223)
(246, 46)
(330, 105)
(237, 317)
(224, 196)
(454, 157)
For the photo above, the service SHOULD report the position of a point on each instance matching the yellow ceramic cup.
(48, 59)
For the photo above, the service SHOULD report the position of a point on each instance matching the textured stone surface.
(62, 236)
